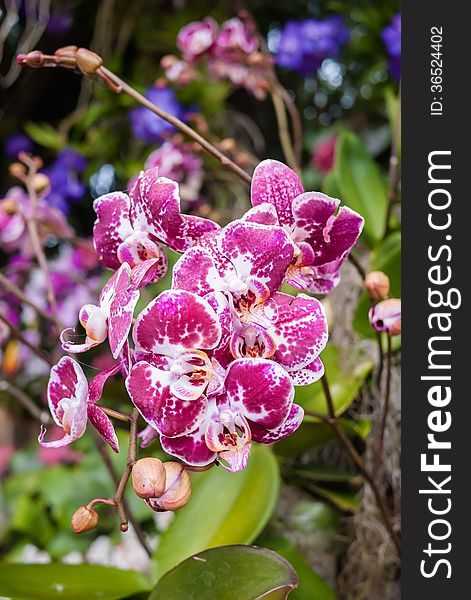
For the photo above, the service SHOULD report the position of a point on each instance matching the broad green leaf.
(311, 586)
(323, 473)
(228, 572)
(45, 135)
(46, 582)
(345, 501)
(344, 384)
(361, 185)
(387, 258)
(225, 508)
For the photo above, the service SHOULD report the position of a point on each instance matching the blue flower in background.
(147, 126)
(16, 143)
(64, 176)
(304, 45)
(392, 38)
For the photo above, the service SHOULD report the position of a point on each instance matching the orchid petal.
(309, 374)
(103, 425)
(264, 214)
(121, 310)
(111, 227)
(190, 448)
(267, 436)
(195, 271)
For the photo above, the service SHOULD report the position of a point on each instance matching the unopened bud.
(377, 285)
(17, 170)
(32, 59)
(148, 478)
(40, 183)
(386, 316)
(177, 489)
(84, 519)
(227, 145)
(67, 51)
(87, 61)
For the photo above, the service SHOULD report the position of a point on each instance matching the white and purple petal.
(112, 227)
(103, 425)
(191, 448)
(121, 310)
(270, 436)
(309, 374)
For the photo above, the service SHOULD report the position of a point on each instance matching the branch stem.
(384, 417)
(16, 333)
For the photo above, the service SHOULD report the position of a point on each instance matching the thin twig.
(394, 164)
(122, 86)
(356, 263)
(379, 452)
(295, 122)
(16, 333)
(34, 410)
(124, 511)
(115, 414)
(331, 420)
(283, 129)
(13, 289)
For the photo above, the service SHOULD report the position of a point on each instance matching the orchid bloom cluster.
(214, 360)
(230, 51)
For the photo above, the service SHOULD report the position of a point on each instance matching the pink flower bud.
(177, 489)
(148, 478)
(386, 316)
(87, 61)
(84, 519)
(377, 285)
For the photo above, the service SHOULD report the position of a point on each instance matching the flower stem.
(283, 129)
(331, 420)
(379, 452)
(115, 414)
(16, 333)
(13, 289)
(394, 164)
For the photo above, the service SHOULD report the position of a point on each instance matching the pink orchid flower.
(73, 402)
(131, 228)
(173, 371)
(322, 238)
(111, 319)
(256, 404)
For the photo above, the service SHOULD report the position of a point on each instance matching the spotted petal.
(309, 374)
(149, 390)
(264, 213)
(267, 436)
(257, 251)
(103, 425)
(277, 184)
(121, 310)
(261, 390)
(67, 394)
(300, 331)
(111, 227)
(175, 321)
(195, 271)
(190, 448)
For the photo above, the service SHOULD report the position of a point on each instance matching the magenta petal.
(195, 227)
(277, 184)
(121, 310)
(222, 308)
(155, 208)
(300, 331)
(174, 321)
(111, 227)
(264, 214)
(196, 272)
(257, 251)
(149, 390)
(103, 425)
(331, 237)
(309, 374)
(261, 390)
(95, 389)
(267, 436)
(191, 448)
(147, 436)
(149, 271)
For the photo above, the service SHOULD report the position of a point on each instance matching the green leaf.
(228, 572)
(45, 135)
(46, 582)
(392, 102)
(225, 508)
(387, 258)
(361, 185)
(345, 501)
(311, 586)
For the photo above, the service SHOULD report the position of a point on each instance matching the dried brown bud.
(17, 170)
(148, 478)
(177, 488)
(87, 61)
(377, 285)
(40, 183)
(84, 519)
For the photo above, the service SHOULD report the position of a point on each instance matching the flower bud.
(177, 488)
(84, 519)
(148, 478)
(17, 170)
(87, 61)
(377, 285)
(67, 51)
(40, 183)
(386, 316)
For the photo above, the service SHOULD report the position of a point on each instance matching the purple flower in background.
(60, 22)
(305, 44)
(147, 126)
(65, 183)
(16, 143)
(392, 38)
